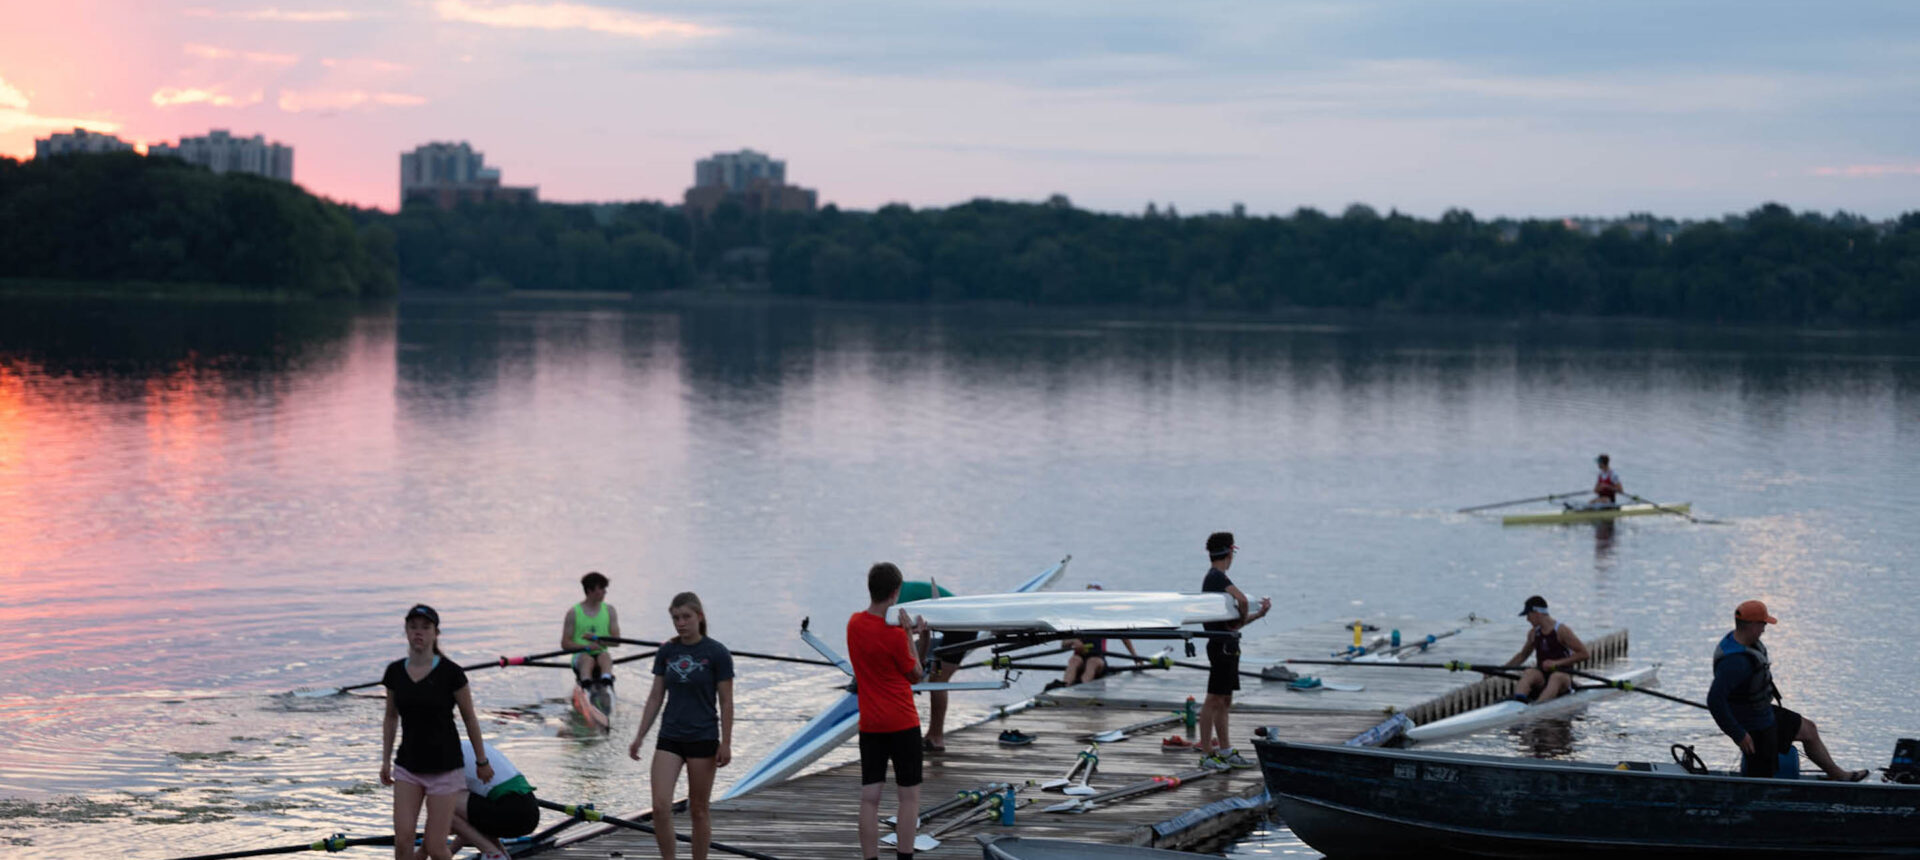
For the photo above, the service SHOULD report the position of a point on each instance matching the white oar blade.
(1109, 737)
(1081, 790)
(923, 842)
(1068, 806)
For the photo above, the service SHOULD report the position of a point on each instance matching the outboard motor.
(1906, 762)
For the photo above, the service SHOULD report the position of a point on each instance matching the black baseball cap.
(1535, 603)
(421, 610)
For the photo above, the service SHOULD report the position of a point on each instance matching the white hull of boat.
(1510, 712)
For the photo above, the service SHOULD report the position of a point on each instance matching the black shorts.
(505, 816)
(1770, 743)
(954, 637)
(688, 749)
(901, 747)
(1223, 662)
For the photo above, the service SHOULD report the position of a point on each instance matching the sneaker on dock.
(1216, 763)
(1235, 760)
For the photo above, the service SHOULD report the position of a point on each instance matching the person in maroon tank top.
(1553, 646)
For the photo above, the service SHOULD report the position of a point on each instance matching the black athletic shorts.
(688, 749)
(1770, 743)
(955, 637)
(1223, 661)
(505, 816)
(901, 747)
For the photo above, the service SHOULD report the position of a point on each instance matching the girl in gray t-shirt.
(693, 679)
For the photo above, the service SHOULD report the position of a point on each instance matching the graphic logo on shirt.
(684, 666)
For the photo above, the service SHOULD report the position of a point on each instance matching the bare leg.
(406, 814)
(1222, 739)
(1530, 680)
(1809, 737)
(603, 664)
(464, 833)
(664, 776)
(1073, 670)
(937, 705)
(439, 824)
(1556, 684)
(1207, 708)
(870, 819)
(1091, 669)
(907, 825)
(700, 773)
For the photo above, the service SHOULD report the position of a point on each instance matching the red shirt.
(882, 671)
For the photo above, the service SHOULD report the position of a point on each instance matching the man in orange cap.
(1742, 702)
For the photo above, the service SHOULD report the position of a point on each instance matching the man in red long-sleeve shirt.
(886, 665)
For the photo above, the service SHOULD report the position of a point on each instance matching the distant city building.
(80, 141)
(449, 174)
(221, 152)
(753, 179)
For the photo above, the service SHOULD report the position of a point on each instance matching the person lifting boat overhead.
(1223, 659)
(594, 616)
(1743, 696)
(886, 665)
(943, 668)
(1606, 486)
(693, 680)
(1088, 660)
(1553, 646)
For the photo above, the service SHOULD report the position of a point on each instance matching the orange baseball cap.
(1753, 610)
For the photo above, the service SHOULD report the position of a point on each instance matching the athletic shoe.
(1215, 763)
(1234, 759)
(1015, 738)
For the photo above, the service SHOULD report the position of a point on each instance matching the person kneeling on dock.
(1554, 647)
(492, 809)
(886, 665)
(1742, 696)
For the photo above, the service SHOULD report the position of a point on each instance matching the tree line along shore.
(117, 218)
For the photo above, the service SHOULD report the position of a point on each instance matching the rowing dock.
(813, 815)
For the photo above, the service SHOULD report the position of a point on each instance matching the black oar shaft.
(1632, 688)
(329, 844)
(594, 815)
(1547, 498)
(755, 655)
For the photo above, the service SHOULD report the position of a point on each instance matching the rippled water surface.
(206, 508)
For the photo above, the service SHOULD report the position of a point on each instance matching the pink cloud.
(1868, 171)
(301, 101)
(14, 115)
(569, 16)
(209, 52)
(309, 16)
(175, 96)
(365, 64)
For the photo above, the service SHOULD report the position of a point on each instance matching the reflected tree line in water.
(121, 217)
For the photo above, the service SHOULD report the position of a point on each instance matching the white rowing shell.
(1074, 610)
(1510, 712)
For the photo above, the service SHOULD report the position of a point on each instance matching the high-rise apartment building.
(81, 140)
(449, 174)
(221, 152)
(753, 179)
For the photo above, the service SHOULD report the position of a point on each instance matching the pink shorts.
(436, 784)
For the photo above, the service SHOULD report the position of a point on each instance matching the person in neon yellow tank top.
(593, 616)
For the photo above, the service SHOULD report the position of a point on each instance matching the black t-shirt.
(693, 674)
(428, 740)
(1216, 581)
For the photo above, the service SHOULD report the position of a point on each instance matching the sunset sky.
(1505, 107)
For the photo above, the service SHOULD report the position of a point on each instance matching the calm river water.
(206, 507)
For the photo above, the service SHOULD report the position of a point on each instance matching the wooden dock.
(813, 815)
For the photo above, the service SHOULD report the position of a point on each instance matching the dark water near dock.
(205, 507)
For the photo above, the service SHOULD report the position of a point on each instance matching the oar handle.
(753, 654)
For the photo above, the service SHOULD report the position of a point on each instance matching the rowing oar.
(492, 664)
(1522, 501)
(1450, 665)
(1630, 687)
(547, 664)
(1678, 513)
(591, 814)
(811, 661)
(336, 842)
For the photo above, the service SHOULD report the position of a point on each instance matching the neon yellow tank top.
(585, 625)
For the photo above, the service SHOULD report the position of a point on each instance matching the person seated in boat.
(886, 665)
(593, 616)
(1553, 646)
(1743, 702)
(1088, 659)
(1223, 659)
(1606, 487)
(492, 809)
(943, 668)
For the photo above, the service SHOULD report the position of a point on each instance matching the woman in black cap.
(422, 690)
